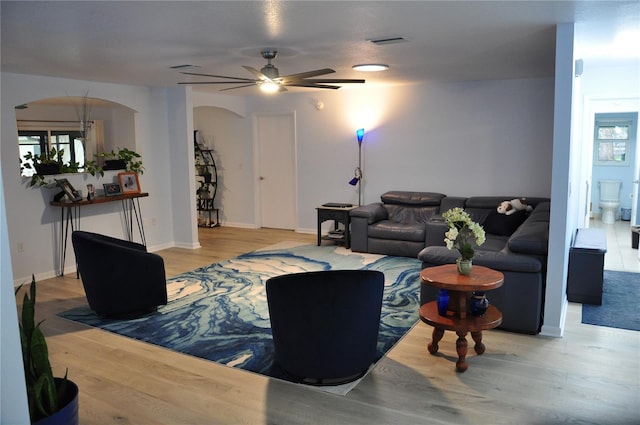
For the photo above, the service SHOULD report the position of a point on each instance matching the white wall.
(564, 192)
(13, 392)
(34, 224)
(476, 138)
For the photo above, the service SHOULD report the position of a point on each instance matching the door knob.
(261, 178)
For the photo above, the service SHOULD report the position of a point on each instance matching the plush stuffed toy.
(510, 207)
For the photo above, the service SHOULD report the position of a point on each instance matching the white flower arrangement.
(460, 233)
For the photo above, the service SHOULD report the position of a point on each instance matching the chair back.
(325, 323)
(119, 277)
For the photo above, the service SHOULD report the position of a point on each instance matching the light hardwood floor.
(590, 376)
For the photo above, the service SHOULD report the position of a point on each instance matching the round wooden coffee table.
(458, 318)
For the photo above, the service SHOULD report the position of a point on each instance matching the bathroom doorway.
(615, 158)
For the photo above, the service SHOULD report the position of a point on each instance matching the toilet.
(609, 200)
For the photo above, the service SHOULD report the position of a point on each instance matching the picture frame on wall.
(68, 190)
(112, 189)
(129, 182)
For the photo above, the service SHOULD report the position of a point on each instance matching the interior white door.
(635, 187)
(275, 135)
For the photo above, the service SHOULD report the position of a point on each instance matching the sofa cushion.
(412, 198)
(387, 229)
(409, 214)
(493, 243)
(502, 224)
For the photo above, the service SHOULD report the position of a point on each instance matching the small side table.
(339, 213)
(458, 318)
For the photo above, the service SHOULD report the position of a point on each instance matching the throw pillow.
(503, 225)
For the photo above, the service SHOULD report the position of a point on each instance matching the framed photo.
(112, 189)
(129, 182)
(68, 190)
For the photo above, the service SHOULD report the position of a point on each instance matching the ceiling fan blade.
(335, 81)
(217, 82)
(257, 73)
(307, 74)
(312, 85)
(238, 87)
(217, 76)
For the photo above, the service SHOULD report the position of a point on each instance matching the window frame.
(49, 139)
(608, 122)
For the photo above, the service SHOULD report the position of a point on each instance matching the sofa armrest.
(371, 212)
(532, 237)
(361, 218)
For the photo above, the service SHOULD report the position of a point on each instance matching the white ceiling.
(135, 42)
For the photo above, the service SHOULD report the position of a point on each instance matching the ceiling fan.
(269, 79)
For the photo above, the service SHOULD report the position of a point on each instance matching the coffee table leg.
(435, 338)
(479, 347)
(461, 348)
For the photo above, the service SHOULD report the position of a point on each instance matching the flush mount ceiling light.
(371, 67)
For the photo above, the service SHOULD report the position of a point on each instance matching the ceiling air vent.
(387, 40)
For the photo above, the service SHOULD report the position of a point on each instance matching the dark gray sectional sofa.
(410, 224)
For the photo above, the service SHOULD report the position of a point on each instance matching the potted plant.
(51, 400)
(46, 164)
(122, 159)
(202, 169)
(462, 233)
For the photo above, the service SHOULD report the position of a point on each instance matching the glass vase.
(464, 266)
(442, 300)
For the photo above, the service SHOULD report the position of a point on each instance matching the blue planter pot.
(68, 415)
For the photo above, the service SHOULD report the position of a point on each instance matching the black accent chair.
(119, 277)
(325, 324)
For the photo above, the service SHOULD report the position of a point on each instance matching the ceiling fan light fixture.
(270, 72)
(269, 87)
(371, 67)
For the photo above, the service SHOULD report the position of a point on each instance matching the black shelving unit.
(207, 180)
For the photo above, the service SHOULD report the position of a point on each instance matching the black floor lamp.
(357, 179)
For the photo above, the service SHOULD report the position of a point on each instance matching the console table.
(458, 318)
(71, 217)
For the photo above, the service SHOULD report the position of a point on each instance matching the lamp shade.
(360, 134)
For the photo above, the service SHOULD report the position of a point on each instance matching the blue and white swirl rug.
(220, 313)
